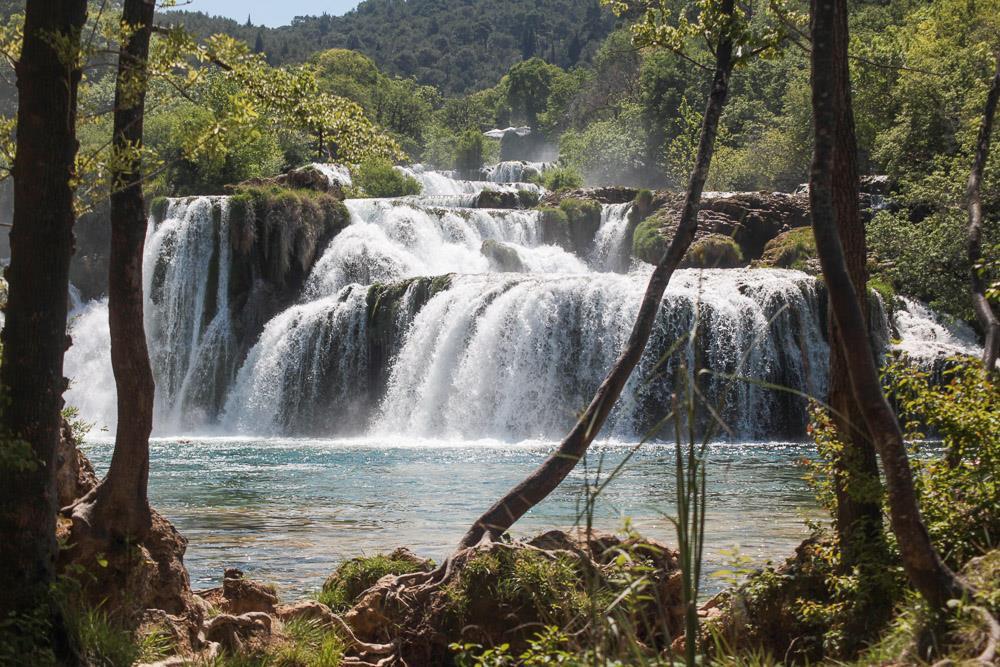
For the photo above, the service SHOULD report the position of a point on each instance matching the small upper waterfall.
(426, 317)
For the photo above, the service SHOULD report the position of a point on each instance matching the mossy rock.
(354, 577)
(504, 593)
(503, 258)
(496, 199)
(714, 251)
(584, 217)
(555, 227)
(528, 198)
(648, 242)
(794, 249)
(158, 208)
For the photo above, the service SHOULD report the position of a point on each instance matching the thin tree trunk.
(928, 574)
(119, 507)
(857, 487)
(532, 490)
(34, 337)
(987, 317)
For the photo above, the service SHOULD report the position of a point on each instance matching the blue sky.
(268, 12)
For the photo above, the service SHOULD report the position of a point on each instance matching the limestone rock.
(239, 595)
(240, 634)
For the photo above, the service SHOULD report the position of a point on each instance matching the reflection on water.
(288, 511)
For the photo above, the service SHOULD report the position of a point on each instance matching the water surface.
(289, 510)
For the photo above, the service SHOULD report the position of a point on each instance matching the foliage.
(469, 150)
(648, 243)
(457, 46)
(379, 178)
(928, 260)
(356, 576)
(795, 249)
(608, 151)
(561, 178)
(715, 251)
(957, 483)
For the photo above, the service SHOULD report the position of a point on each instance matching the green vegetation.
(356, 576)
(379, 178)
(561, 178)
(714, 251)
(795, 249)
(648, 243)
(456, 46)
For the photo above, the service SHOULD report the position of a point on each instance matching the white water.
(507, 356)
(925, 336)
(515, 171)
(611, 251)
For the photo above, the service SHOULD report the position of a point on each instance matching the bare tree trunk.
(532, 490)
(119, 506)
(928, 574)
(857, 484)
(987, 317)
(34, 337)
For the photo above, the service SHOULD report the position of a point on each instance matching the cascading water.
(186, 279)
(510, 343)
(515, 171)
(611, 252)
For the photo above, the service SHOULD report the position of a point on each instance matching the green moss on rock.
(714, 251)
(648, 243)
(795, 249)
(354, 577)
(158, 208)
(584, 216)
(555, 227)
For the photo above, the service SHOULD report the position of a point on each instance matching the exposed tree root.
(412, 619)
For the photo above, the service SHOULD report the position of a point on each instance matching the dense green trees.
(457, 46)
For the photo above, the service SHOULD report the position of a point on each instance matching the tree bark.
(987, 317)
(119, 507)
(34, 337)
(532, 490)
(857, 485)
(928, 574)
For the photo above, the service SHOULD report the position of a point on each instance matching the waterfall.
(925, 336)
(308, 372)
(515, 171)
(611, 250)
(424, 318)
(389, 239)
(186, 282)
(520, 356)
(438, 184)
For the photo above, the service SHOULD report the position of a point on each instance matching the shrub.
(791, 250)
(715, 251)
(648, 243)
(379, 178)
(528, 198)
(356, 576)
(561, 178)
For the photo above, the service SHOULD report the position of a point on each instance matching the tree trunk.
(857, 484)
(34, 337)
(987, 317)
(119, 508)
(928, 574)
(532, 490)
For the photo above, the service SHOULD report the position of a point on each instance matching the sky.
(268, 12)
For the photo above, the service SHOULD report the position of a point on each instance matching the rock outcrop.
(137, 584)
(502, 593)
